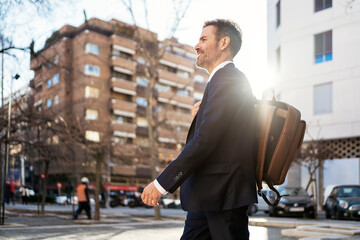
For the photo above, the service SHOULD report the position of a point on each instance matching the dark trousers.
(217, 225)
(83, 206)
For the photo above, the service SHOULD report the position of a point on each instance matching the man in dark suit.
(216, 169)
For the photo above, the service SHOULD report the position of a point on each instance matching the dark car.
(343, 202)
(298, 203)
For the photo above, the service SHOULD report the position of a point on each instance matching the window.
(141, 101)
(91, 114)
(322, 4)
(55, 79)
(91, 92)
(278, 14)
(91, 70)
(182, 73)
(162, 87)
(123, 140)
(121, 54)
(55, 139)
(121, 75)
(122, 119)
(142, 61)
(56, 100)
(198, 96)
(144, 142)
(141, 81)
(323, 47)
(199, 78)
(323, 99)
(278, 58)
(48, 102)
(93, 136)
(48, 83)
(141, 122)
(92, 48)
(185, 93)
(56, 59)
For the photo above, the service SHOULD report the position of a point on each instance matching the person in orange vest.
(83, 198)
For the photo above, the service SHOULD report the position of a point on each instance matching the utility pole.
(1, 145)
(5, 172)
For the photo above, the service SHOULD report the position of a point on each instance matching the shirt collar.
(221, 65)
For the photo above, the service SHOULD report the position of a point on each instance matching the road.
(23, 222)
(54, 228)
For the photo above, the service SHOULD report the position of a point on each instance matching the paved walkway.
(290, 228)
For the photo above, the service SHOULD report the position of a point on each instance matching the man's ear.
(224, 43)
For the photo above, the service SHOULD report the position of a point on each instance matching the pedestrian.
(216, 168)
(24, 194)
(12, 194)
(83, 198)
(69, 189)
(7, 192)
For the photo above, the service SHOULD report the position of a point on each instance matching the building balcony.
(176, 118)
(176, 61)
(124, 149)
(123, 86)
(127, 130)
(123, 108)
(124, 43)
(142, 131)
(171, 136)
(127, 66)
(172, 79)
(175, 99)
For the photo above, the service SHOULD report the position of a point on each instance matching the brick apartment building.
(94, 74)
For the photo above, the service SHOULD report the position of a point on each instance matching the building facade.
(313, 49)
(95, 74)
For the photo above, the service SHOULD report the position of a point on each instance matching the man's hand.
(195, 109)
(151, 195)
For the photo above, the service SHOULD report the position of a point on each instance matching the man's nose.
(197, 47)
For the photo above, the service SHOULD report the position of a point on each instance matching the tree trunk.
(321, 183)
(97, 186)
(43, 197)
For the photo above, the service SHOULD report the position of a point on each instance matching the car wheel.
(337, 215)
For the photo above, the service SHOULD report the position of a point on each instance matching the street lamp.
(16, 77)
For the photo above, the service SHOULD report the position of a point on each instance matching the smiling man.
(215, 169)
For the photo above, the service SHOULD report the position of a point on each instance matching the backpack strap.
(265, 114)
(271, 186)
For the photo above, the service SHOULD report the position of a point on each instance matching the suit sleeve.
(225, 96)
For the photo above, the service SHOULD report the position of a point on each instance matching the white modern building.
(314, 50)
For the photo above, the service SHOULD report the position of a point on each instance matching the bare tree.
(312, 156)
(153, 52)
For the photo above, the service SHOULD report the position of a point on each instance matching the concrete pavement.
(288, 228)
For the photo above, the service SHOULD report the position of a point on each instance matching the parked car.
(298, 203)
(343, 202)
(167, 202)
(261, 205)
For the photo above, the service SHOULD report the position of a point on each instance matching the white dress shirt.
(221, 65)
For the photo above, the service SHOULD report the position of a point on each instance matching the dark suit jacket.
(216, 167)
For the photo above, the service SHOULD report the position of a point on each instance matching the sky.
(249, 14)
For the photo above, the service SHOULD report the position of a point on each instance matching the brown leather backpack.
(280, 133)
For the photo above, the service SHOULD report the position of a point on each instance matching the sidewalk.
(291, 227)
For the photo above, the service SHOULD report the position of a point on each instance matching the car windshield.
(349, 192)
(293, 191)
